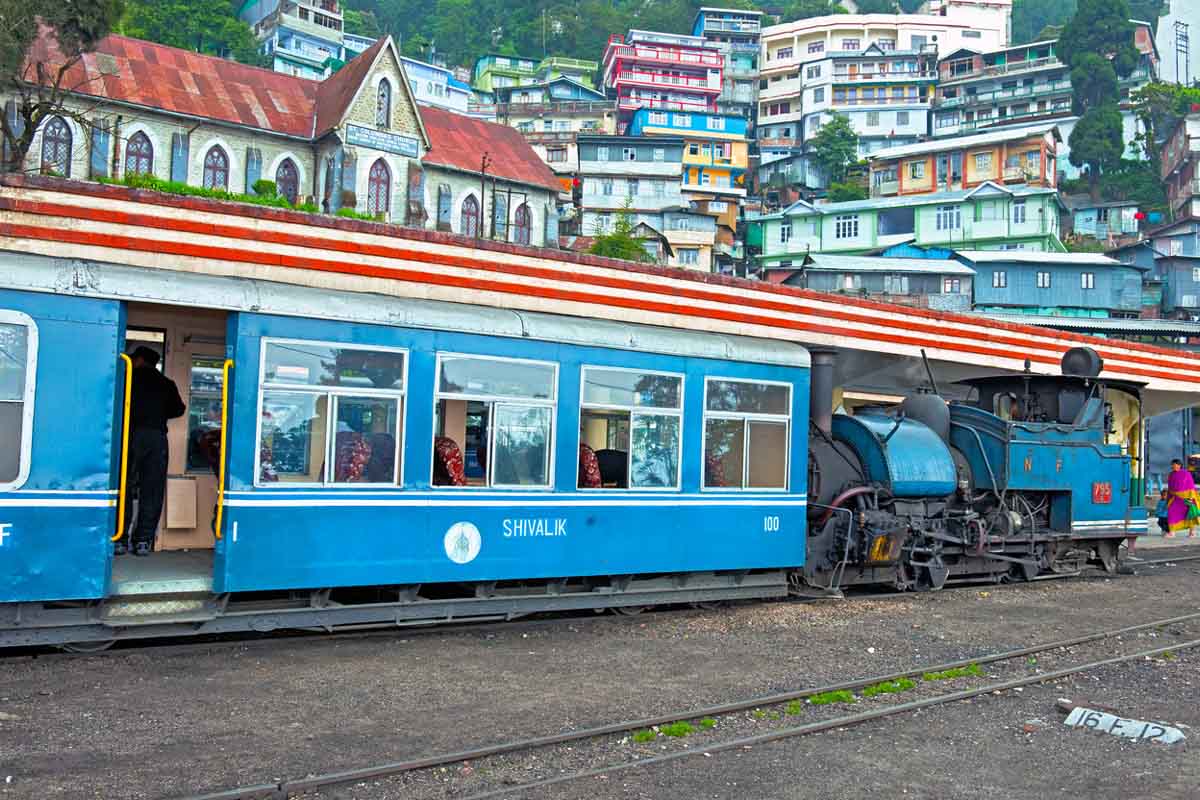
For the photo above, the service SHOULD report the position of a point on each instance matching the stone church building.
(356, 139)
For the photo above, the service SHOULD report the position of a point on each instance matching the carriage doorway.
(191, 347)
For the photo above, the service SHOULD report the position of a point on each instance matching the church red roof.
(460, 142)
(160, 77)
(156, 76)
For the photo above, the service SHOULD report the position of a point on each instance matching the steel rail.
(286, 788)
(838, 722)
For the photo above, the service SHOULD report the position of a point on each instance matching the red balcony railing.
(662, 55)
(628, 103)
(659, 79)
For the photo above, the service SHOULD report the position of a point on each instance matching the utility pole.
(1183, 78)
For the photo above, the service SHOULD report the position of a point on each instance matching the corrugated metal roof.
(935, 266)
(156, 76)
(1035, 257)
(1159, 327)
(962, 142)
(460, 142)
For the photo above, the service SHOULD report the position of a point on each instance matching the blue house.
(1054, 284)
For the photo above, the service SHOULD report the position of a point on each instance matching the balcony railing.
(885, 188)
(1008, 119)
(541, 107)
(912, 100)
(908, 75)
(562, 62)
(1007, 69)
(659, 79)
(627, 103)
(781, 141)
(732, 26)
(985, 98)
(661, 56)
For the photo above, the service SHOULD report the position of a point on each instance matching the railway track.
(173, 647)
(318, 783)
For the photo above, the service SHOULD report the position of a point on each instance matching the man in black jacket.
(154, 399)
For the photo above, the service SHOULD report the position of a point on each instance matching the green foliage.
(794, 708)
(1100, 28)
(845, 192)
(835, 148)
(264, 188)
(677, 729)
(1083, 244)
(806, 9)
(362, 23)
(1093, 81)
(620, 243)
(957, 672)
(709, 723)
(889, 687)
(1031, 17)
(1159, 105)
(154, 184)
(350, 213)
(878, 7)
(1097, 141)
(838, 696)
(647, 735)
(204, 26)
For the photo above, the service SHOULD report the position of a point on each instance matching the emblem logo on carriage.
(462, 542)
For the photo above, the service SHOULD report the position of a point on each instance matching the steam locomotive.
(1026, 477)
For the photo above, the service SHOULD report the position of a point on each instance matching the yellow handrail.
(124, 448)
(221, 456)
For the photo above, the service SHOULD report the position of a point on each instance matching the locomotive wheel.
(83, 648)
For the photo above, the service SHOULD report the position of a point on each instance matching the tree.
(1159, 105)
(845, 192)
(1031, 17)
(37, 80)
(877, 6)
(1097, 141)
(835, 148)
(621, 243)
(203, 26)
(1097, 44)
(806, 9)
(362, 23)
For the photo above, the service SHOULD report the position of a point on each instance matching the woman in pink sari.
(1182, 491)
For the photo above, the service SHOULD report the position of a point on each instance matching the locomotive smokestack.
(820, 406)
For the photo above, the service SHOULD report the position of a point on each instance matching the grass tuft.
(677, 729)
(826, 698)
(957, 672)
(641, 737)
(889, 687)
(794, 708)
(708, 723)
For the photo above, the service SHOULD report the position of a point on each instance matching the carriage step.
(135, 610)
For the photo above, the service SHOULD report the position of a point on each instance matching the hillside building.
(1020, 156)
(303, 37)
(735, 34)
(662, 71)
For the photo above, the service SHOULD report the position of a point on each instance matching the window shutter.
(98, 161)
(445, 201)
(179, 157)
(347, 179)
(551, 228)
(16, 124)
(253, 168)
(499, 215)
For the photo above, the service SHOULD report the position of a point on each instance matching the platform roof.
(82, 227)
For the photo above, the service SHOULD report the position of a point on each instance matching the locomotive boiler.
(1028, 476)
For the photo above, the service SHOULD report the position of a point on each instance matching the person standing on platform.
(154, 399)
(1183, 510)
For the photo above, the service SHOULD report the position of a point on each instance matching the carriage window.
(204, 414)
(18, 357)
(746, 434)
(630, 429)
(495, 422)
(331, 414)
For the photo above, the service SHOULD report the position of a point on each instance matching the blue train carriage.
(396, 461)
(1062, 454)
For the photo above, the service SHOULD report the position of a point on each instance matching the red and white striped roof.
(880, 343)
